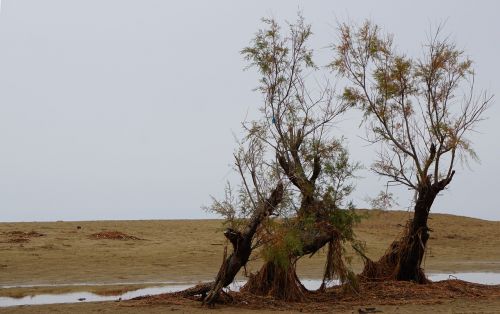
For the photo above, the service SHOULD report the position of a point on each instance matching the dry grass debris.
(112, 235)
(384, 293)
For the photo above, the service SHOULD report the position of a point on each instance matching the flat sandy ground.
(191, 250)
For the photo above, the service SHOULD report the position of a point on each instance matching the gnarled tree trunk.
(403, 259)
(413, 248)
(242, 248)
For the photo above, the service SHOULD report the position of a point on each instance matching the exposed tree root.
(393, 265)
(335, 268)
(337, 299)
(198, 290)
(276, 281)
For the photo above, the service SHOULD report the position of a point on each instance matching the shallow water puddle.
(75, 297)
(311, 284)
(483, 278)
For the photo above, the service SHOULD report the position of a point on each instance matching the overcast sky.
(125, 109)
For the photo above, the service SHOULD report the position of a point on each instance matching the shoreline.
(119, 288)
(389, 297)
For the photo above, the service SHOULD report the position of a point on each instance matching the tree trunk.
(403, 259)
(242, 248)
(413, 249)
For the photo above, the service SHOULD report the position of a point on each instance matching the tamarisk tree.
(297, 115)
(420, 111)
(295, 175)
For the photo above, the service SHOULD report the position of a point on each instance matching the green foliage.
(338, 173)
(344, 221)
(281, 249)
(270, 52)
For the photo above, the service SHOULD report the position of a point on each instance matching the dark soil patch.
(18, 240)
(17, 236)
(22, 234)
(337, 298)
(112, 235)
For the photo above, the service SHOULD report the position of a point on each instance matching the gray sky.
(125, 109)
